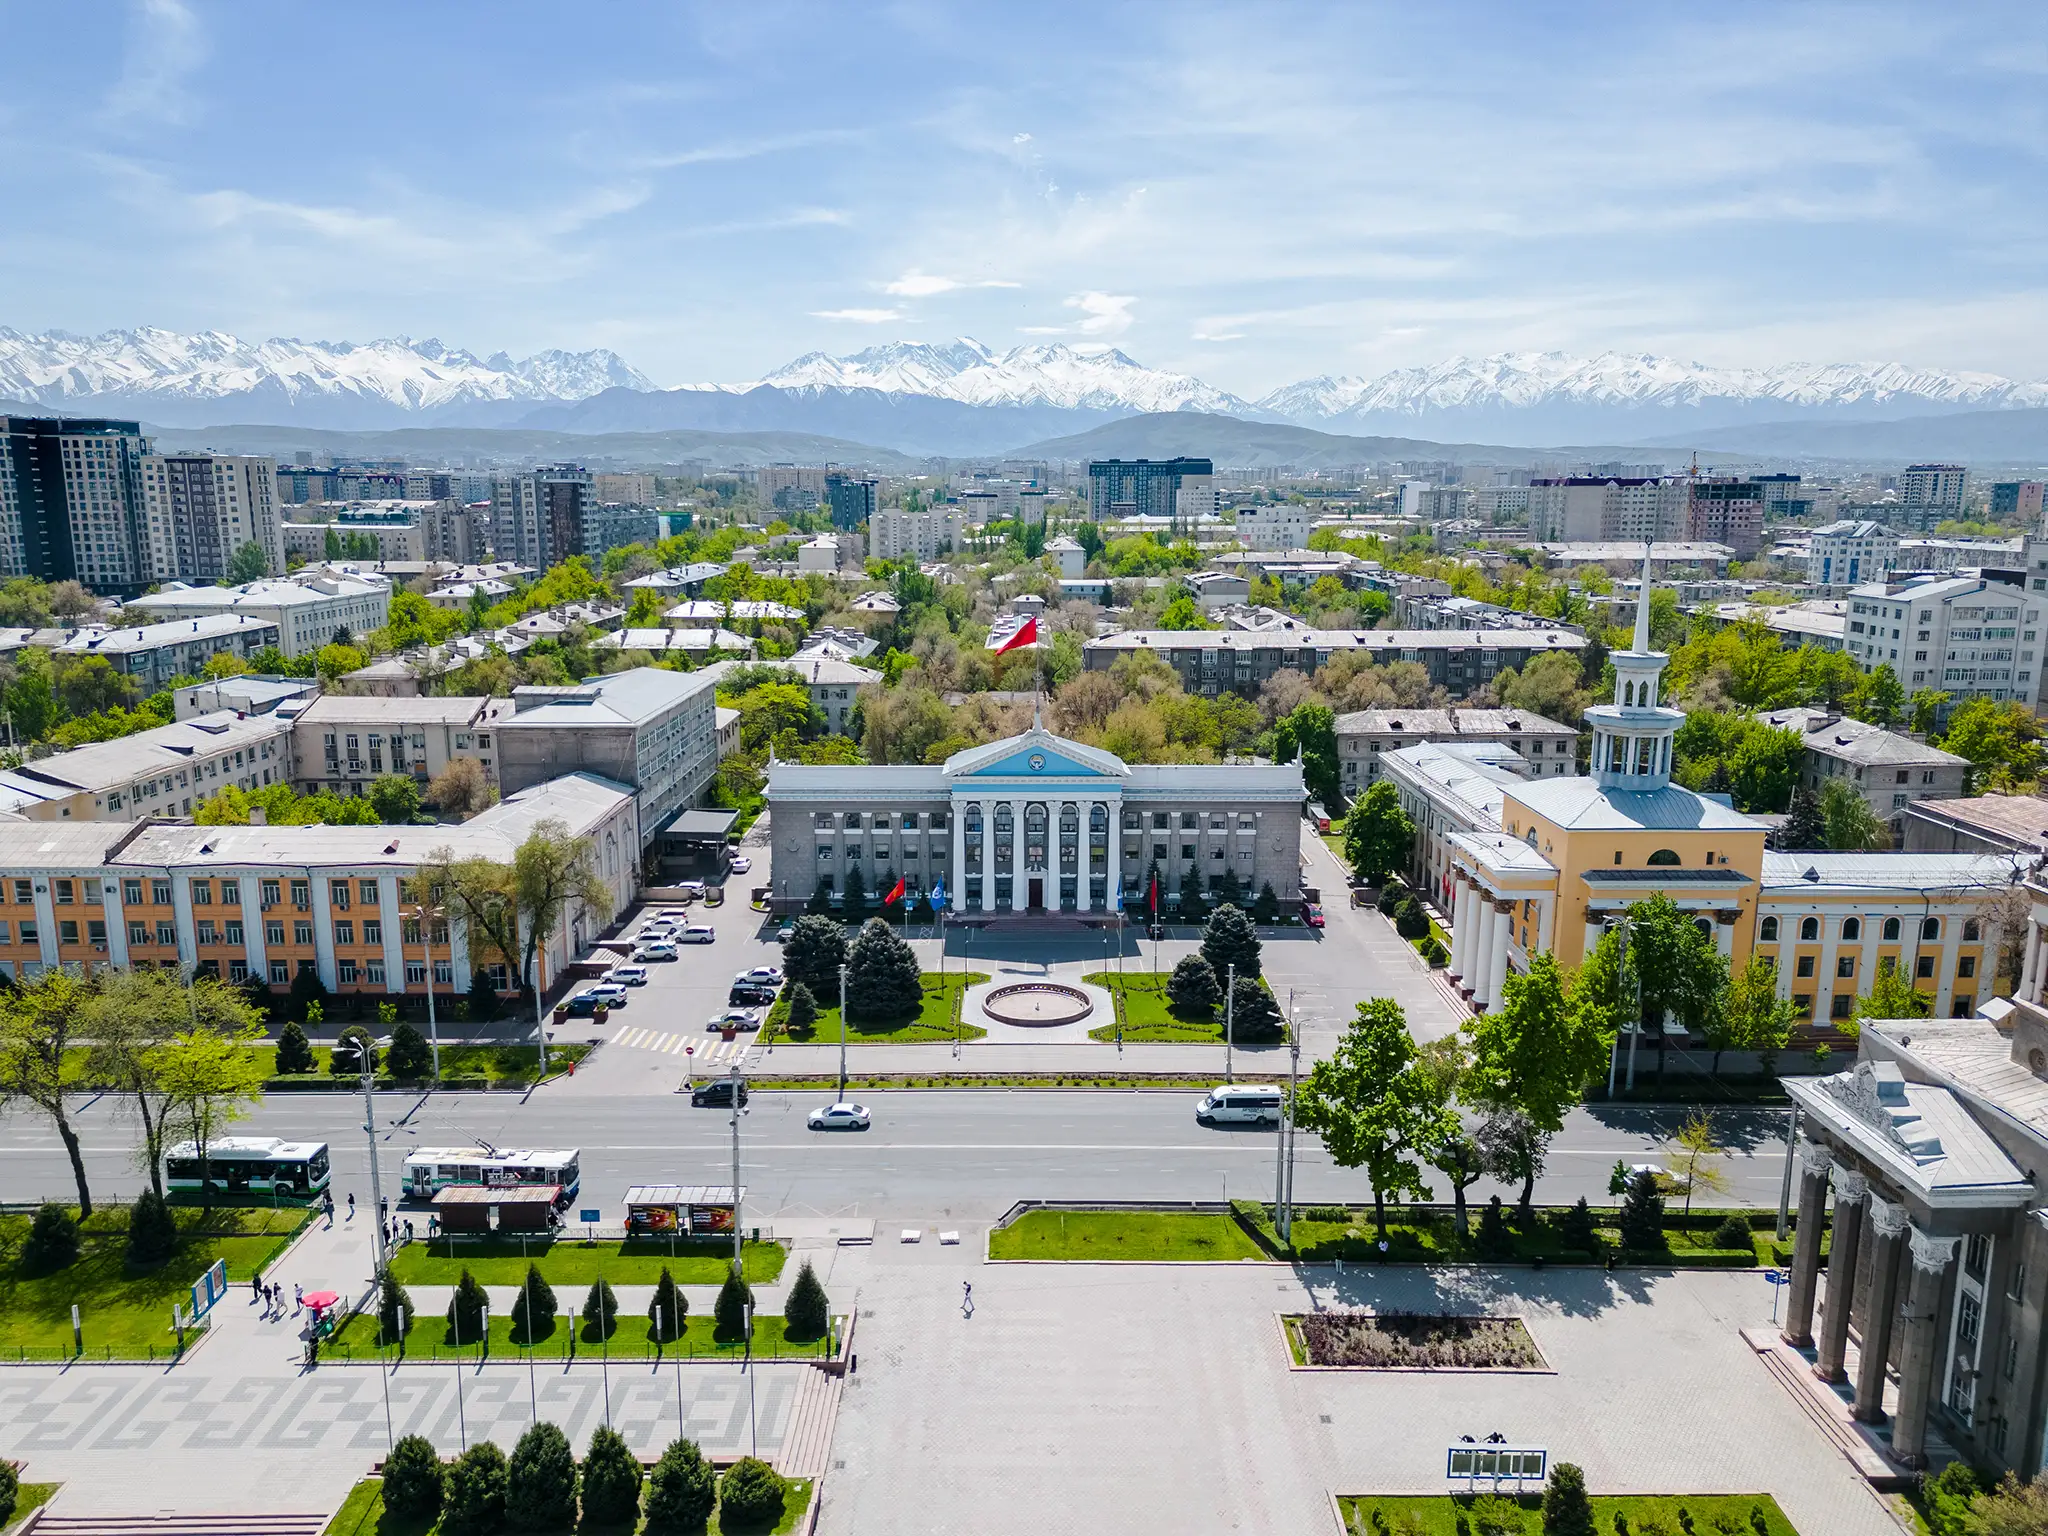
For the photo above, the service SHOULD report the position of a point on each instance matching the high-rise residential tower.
(200, 509)
(71, 505)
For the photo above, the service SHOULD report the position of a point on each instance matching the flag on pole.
(895, 892)
(939, 894)
(1014, 633)
(1155, 896)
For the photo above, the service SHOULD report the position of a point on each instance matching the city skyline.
(1250, 201)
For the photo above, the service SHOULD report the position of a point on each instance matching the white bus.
(248, 1164)
(432, 1169)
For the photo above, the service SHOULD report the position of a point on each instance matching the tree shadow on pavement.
(1573, 1290)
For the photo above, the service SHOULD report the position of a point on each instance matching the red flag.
(895, 892)
(1025, 633)
(1155, 895)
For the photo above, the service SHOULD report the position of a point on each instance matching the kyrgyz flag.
(895, 892)
(1014, 634)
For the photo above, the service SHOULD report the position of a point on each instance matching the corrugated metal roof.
(1786, 872)
(1581, 804)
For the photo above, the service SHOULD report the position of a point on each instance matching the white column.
(1546, 922)
(2032, 952)
(956, 889)
(1595, 931)
(1492, 940)
(1724, 938)
(1945, 966)
(1481, 924)
(1113, 855)
(1461, 922)
(1497, 959)
(1019, 891)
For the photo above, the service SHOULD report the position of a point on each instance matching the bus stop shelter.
(690, 1210)
(507, 1208)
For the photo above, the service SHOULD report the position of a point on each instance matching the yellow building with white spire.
(1570, 855)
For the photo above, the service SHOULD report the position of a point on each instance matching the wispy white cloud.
(165, 44)
(860, 316)
(1103, 314)
(923, 285)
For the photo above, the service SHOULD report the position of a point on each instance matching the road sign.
(589, 1217)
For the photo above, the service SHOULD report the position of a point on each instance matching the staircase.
(183, 1525)
(807, 1447)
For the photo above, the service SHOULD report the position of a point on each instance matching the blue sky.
(1252, 193)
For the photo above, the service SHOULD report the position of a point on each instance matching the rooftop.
(115, 764)
(2020, 819)
(1340, 639)
(1449, 722)
(1888, 872)
(1583, 805)
(460, 709)
(1474, 774)
(101, 641)
(632, 697)
(1855, 741)
(1919, 1133)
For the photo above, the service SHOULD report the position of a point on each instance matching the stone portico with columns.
(1035, 824)
(1925, 1161)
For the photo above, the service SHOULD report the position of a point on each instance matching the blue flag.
(939, 894)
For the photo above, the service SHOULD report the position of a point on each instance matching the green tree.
(2013, 1508)
(883, 982)
(751, 1496)
(211, 1076)
(1378, 833)
(409, 1059)
(508, 908)
(600, 1310)
(32, 705)
(1696, 1158)
(1566, 1509)
(394, 1309)
(466, 1309)
(473, 1492)
(396, 799)
(1266, 906)
(1851, 825)
(611, 1480)
(1254, 1014)
(1456, 1156)
(1377, 1106)
(1680, 973)
(807, 1313)
(1752, 1017)
(482, 997)
(803, 1011)
(88, 685)
(354, 1048)
(533, 1309)
(413, 1479)
(1534, 1053)
(294, 1051)
(2002, 742)
(1928, 703)
(1884, 697)
(1642, 1214)
(668, 1313)
(152, 1232)
(1228, 939)
(40, 1021)
(540, 1485)
(1192, 989)
(815, 952)
(1892, 995)
(248, 563)
(52, 1241)
(1309, 731)
(1804, 827)
(853, 896)
(682, 1490)
(729, 1312)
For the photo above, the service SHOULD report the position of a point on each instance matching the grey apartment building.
(1119, 488)
(1035, 824)
(1212, 661)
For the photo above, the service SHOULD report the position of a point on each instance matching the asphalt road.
(931, 1155)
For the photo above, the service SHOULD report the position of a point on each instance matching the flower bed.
(1384, 1341)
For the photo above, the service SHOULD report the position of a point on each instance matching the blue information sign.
(588, 1218)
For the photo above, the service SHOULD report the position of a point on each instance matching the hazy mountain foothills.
(963, 399)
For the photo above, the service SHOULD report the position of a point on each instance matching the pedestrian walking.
(351, 1205)
(298, 1299)
(255, 1288)
(966, 1293)
(408, 1229)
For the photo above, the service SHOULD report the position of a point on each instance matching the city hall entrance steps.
(183, 1525)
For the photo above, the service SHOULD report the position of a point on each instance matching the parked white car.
(839, 1117)
(760, 976)
(659, 950)
(741, 864)
(695, 934)
(627, 975)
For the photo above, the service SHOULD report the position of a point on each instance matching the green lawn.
(566, 1261)
(362, 1514)
(1129, 1235)
(505, 1066)
(28, 1498)
(1708, 1514)
(883, 1082)
(123, 1313)
(1321, 1234)
(632, 1338)
(1147, 1015)
(939, 1019)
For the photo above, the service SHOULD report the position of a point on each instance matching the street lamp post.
(738, 1086)
(842, 1064)
(1229, 1024)
(370, 1134)
(427, 943)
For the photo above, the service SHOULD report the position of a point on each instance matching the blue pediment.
(1037, 754)
(1035, 764)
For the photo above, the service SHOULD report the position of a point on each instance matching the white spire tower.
(1632, 736)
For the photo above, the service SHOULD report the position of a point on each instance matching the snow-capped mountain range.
(174, 377)
(958, 396)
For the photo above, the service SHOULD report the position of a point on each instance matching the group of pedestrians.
(272, 1297)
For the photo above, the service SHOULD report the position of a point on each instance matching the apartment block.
(895, 533)
(1212, 661)
(791, 487)
(1847, 553)
(1962, 635)
(270, 902)
(71, 501)
(1125, 488)
(1275, 525)
(1368, 737)
(308, 610)
(1935, 490)
(345, 743)
(201, 508)
(1724, 511)
(537, 515)
(1888, 770)
(160, 772)
(1590, 509)
(851, 499)
(151, 656)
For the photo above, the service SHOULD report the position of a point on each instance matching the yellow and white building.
(1569, 856)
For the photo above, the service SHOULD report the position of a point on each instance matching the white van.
(1240, 1104)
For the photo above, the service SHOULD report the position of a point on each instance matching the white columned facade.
(1018, 889)
(1113, 872)
(1461, 924)
(1546, 921)
(1492, 938)
(956, 891)
(1496, 959)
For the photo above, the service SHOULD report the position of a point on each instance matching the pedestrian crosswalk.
(709, 1048)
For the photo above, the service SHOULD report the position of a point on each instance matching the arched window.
(1706, 928)
(1531, 838)
(1852, 929)
(1809, 929)
(1004, 819)
(1970, 930)
(1098, 818)
(1891, 930)
(1665, 856)
(1768, 932)
(1930, 928)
